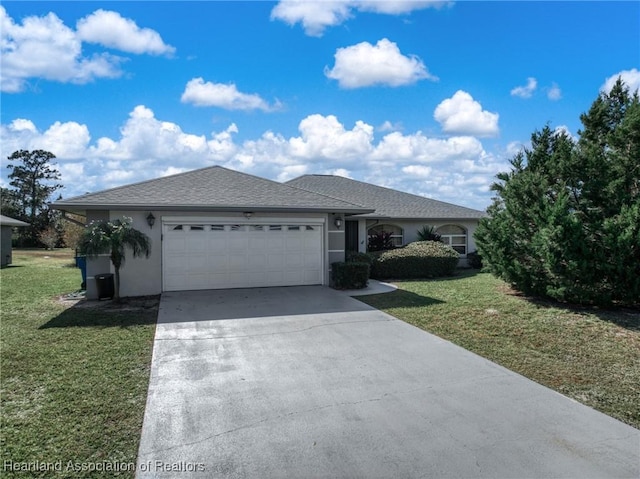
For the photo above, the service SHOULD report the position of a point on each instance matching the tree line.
(34, 179)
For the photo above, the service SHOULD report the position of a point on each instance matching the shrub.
(428, 233)
(565, 221)
(49, 237)
(357, 257)
(421, 259)
(350, 275)
(475, 260)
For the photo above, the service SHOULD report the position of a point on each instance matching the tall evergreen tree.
(33, 178)
(565, 222)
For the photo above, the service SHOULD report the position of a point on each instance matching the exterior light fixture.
(248, 214)
(151, 220)
(337, 221)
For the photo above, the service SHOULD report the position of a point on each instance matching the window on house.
(397, 234)
(455, 236)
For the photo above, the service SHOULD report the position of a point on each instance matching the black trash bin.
(104, 285)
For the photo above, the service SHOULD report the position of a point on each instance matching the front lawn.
(590, 355)
(74, 377)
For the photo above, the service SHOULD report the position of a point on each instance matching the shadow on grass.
(627, 318)
(106, 314)
(399, 298)
(459, 274)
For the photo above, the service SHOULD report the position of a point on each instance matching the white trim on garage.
(207, 252)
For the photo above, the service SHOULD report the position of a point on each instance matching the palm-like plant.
(114, 237)
(428, 233)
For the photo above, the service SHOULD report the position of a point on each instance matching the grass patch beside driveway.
(74, 377)
(590, 355)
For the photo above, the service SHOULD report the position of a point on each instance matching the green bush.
(565, 221)
(421, 259)
(357, 257)
(428, 233)
(350, 275)
(475, 260)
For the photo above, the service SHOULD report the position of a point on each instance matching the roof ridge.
(391, 190)
(323, 194)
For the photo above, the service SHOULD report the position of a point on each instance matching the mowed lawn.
(74, 379)
(590, 355)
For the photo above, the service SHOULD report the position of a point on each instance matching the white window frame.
(448, 239)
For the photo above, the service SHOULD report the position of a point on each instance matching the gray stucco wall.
(5, 245)
(142, 276)
(336, 243)
(99, 265)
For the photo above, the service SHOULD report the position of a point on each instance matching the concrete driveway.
(307, 382)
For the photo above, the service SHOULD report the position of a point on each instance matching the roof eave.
(73, 207)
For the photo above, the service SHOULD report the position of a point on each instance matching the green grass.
(74, 379)
(590, 355)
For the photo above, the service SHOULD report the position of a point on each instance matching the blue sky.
(431, 98)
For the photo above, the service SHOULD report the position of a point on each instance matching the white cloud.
(364, 65)
(43, 47)
(397, 7)
(201, 93)
(631, 78)
(554, 93)
(455, 169)
(316, 16)
(67, 141)
(420, 171)
(325, 138)
(462, 115)
(111, 30)
(527, 90)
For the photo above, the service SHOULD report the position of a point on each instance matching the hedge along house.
(395, 212)
(215, 228)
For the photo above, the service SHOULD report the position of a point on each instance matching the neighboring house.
(6, 229)
(216, 228)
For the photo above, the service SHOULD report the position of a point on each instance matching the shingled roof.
(212, 188)
(387, 203)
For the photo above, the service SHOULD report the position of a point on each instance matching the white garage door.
(212, 255)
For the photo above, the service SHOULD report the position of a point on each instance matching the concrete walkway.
(307, 382)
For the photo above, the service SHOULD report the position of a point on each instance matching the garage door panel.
(217, 256)
(274, 242)
(294, 260)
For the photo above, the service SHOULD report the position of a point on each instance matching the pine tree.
(565, 222)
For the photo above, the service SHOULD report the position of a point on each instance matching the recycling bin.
(81, 262)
